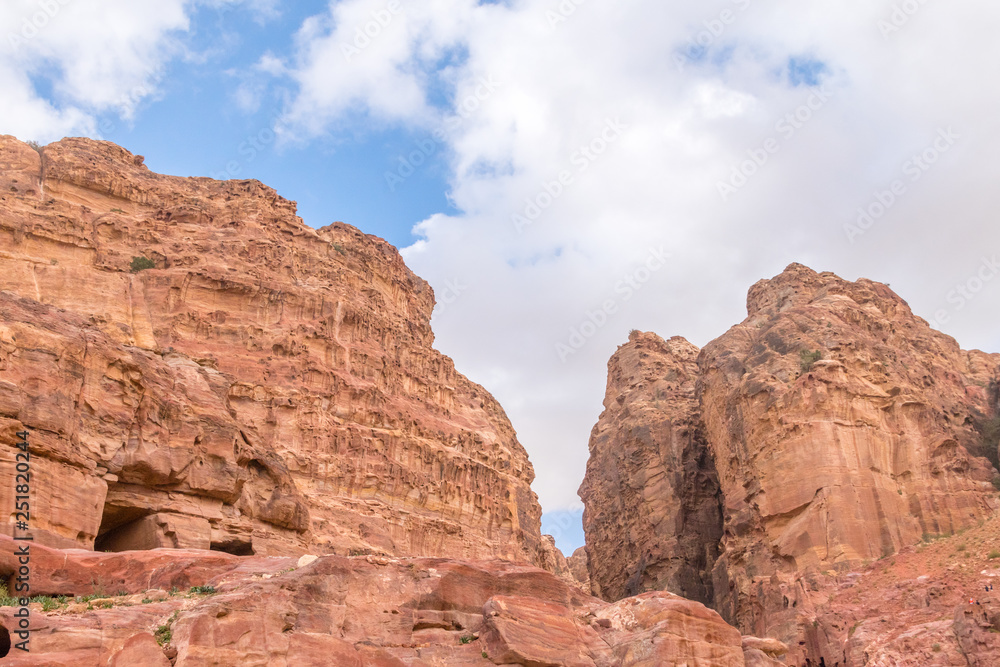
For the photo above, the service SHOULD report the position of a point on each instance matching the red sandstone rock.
(265, 388)
(140, 649)
(848, 455)
(652, 518)
(367, 612)
(843, 429)
(577, 563)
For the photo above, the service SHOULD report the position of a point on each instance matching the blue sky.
(196, 127)
(549, 153)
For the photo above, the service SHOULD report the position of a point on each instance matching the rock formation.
(198, 608)
(652, 519)
(197, 368)
(842, 429)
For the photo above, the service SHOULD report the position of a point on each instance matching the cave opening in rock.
(4, 641)
(234, 547)
(122, 530)
(132, 521)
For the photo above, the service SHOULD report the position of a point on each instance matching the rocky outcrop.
(363, 611)
(197, 368)
(578, 567)
(842, 429)
(652, 516)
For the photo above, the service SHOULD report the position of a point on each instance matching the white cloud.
(692, 117)
(63, 63)
(524, 101)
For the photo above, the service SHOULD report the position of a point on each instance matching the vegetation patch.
(807, 358)
(163, 633)
(141, 264)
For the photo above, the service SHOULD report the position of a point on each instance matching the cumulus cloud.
(64, 63)
(635, 164)
(751, 135)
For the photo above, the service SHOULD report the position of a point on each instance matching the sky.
(564, 171)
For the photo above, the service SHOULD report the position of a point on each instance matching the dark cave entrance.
(130, 522)
(121, 529)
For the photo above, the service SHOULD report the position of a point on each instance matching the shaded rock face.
(265, 388)
(652, 515)
(370, 611)
(842, 429)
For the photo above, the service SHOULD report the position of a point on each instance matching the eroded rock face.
(366, 611)
(264, 388)
(842, 429)
(653, 519)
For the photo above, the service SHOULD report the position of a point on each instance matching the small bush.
(117, 210)
(5, 599)
(807, 359)
(936, 648)
(141, 264)
(205, 590)
(994, 554)
(467, 639)
(34, 144)
(163, 635)
(48, 604)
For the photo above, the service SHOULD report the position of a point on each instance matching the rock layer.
(842, 429)
(652, 517)
(264, 388)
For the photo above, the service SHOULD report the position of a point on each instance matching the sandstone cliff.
(842, 429)
(263, 387)
(653, 519)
